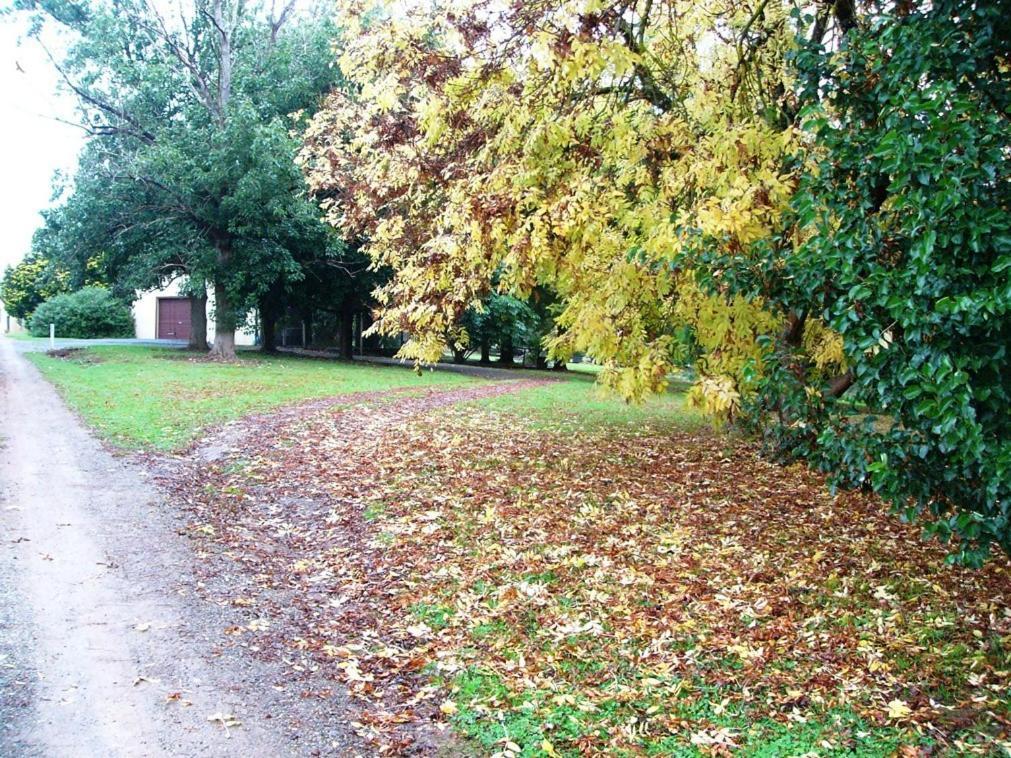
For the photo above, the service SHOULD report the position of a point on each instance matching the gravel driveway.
(106, 649)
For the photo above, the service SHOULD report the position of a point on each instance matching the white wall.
(145, 314)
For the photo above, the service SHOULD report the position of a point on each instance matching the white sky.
(33, 145)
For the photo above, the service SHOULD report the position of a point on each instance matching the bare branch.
(97, 102)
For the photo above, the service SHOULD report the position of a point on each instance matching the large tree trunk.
(224, 318)
(347, 334)
(506, 352)
(198, 323)
(268, 332)
(485, 351)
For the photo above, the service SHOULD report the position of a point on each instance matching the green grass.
(154, 398)
(22, 336)
(838, 732)
(576, 403)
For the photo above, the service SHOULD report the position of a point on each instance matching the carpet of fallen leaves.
(615, 593)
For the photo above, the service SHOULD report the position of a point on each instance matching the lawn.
(644, 587)
(550, 571)
(153, 398)
(576, 404)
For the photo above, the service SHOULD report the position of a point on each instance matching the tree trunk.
(308, 321)
(198, 323)
(224, 326)
(459, 355)
(540, 359)
(347, 332)
(506, 352)
(224, 319)
(485, 351)
(268, 332)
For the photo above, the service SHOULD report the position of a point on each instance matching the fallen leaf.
(898, 710)
(448, 707)
(225, 719)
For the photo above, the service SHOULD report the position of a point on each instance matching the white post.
(52, 336)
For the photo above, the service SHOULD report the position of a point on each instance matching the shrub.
(908, 257)
(86, 313)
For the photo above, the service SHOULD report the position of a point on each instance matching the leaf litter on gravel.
(602, 593)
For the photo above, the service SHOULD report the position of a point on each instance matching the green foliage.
(87, 313)
(190, 167)
(907, 216)
(501, 320)
(29, 283)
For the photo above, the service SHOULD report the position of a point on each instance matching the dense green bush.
(86, 313)
(908, 257)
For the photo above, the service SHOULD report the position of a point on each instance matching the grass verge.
(577, 404)
(162, 399)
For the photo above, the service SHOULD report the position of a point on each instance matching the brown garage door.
(173, 318)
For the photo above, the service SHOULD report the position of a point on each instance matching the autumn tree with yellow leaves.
(592, 147)
(653, 163)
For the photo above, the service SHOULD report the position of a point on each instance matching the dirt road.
(105, 650)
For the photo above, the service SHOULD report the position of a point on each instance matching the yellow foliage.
(716, 395)
(824, 346)
(585, 146)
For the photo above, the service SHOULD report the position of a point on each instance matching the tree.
(28, 284)
(595, 149)
(191, 118)
(334, 279)
(112, 227)
(818, 219)
(500, 320)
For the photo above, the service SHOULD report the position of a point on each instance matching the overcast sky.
(33, 143)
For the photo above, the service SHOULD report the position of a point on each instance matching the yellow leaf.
(448, 707)
(898, 710)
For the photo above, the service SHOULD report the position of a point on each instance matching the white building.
(164, 314)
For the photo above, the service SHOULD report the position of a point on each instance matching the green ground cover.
(156, 398)
(577, 403)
